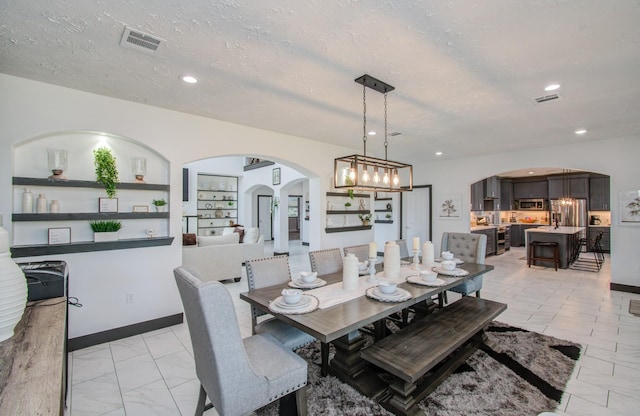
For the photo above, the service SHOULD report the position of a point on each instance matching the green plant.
(106, 170)
(364, 217)
(105, 226)
(159, 202)
(230, 203)
(347, 204)
(388, 216)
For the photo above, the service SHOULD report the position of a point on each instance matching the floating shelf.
(384, 221)
(344, 229)
(383, 210)
(87, 246)
(351, 211)
(17, 180)
(78, 216)
(347, 195)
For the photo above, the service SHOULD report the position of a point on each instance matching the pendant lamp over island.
(368, 173)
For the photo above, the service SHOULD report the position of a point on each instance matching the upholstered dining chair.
(326, 261)
(239, 375)
(470, 248)
(361, 251)
(404, 251)
(271, 271)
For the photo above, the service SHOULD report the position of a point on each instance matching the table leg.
(324, 357)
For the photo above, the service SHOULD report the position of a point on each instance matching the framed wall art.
(60, 235)
(450, 207)
(276, 176)
(108, 204)
(629, 203)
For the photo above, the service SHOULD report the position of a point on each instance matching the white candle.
(416, 243)
(373, 250)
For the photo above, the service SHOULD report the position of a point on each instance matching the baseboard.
(624, 288)
(123, 332)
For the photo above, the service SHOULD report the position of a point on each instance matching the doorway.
(416, 214)
(265, 220)
(293, 206)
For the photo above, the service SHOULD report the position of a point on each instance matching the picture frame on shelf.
(108, 204)
(140, 208)
(276, 176)
(60, 235)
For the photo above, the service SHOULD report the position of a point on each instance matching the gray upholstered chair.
(470, 248)
(239, 375)
(404, 251)
(361, 251)
(271, 271)
(326, 261)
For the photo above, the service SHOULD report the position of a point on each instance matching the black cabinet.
(485, 195)
(506, 195)
(599, 193)
(477, 196)
(576, 186)
(530, 189)
(491, 240)
(516, 235)
(492, 188)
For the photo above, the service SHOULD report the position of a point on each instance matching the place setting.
(307, 280)
(388, 292)
(426, 278)
(448, 268)
(293, 301)
(447, 255)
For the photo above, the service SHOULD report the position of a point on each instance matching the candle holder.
(139, 168)
(372, 270)
(416, 259)
(57, 161)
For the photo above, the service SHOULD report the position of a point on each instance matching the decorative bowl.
(291, 296)
(447, 255)
(308, 277)
(363, 266)
(448, 265)
(386, 287)
(428, 275)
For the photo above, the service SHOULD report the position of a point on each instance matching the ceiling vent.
(140, 41)
(546, 98)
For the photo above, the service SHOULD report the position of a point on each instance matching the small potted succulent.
(365, 218)
(347, 205)
(160, 204)
(105, 230)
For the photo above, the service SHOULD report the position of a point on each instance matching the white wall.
(29, 109)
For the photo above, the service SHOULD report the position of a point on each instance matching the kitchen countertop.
(552, 230)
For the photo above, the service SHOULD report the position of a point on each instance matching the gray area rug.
(524, 373)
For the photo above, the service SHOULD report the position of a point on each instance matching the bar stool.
(556, 253)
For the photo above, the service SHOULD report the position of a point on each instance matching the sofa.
(220, 257)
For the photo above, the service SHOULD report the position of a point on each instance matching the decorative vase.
(161, 208)
(27, 201)
(13, 290)
(365, 222)
(41, 204)
(109, 236)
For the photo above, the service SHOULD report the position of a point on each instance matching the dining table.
(339, 321)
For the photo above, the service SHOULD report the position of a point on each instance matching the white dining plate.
(455, 259)
(304, 301)
(298, 283)
(419, 281)
(455, 272)
(400, 295)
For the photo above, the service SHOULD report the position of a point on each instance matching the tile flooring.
(153, 373)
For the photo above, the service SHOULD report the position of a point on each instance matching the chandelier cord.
(386, 143)
(364, 117)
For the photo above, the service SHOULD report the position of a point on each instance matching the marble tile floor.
(153, 373)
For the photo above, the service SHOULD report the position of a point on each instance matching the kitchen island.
(566, 237)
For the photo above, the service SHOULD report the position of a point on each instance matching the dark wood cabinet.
(599, 193)
(531, 189)
(506, 195)
(491, 240)
(576, 186)
(477, 196)
(516, 235)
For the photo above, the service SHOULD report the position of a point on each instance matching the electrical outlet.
(131, 297)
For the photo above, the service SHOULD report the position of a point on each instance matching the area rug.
(634, 307)
(522, 373)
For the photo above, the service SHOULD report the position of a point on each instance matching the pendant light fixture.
(367, 173)
(566, 199)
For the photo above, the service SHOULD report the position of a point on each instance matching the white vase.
(100, 237)
(13, 290)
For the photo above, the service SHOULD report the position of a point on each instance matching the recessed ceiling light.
(438, 153)
(188, 79)
(581, 131)
(552, 87)
(372, 133)
(531, 172)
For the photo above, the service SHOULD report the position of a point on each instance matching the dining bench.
(423, 354)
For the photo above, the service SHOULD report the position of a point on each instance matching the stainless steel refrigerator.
(571, 215)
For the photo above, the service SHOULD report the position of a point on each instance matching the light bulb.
(352, 172)
(365, 174)
(385, 179)
(376, 176)
(396, 178)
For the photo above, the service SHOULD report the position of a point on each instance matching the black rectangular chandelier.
(367, 173)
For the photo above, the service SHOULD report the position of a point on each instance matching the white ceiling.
(465, 71)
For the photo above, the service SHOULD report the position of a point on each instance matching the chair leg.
(201, 398)
(294, 403)
(324, 360)
(301, 401)
(477, 293)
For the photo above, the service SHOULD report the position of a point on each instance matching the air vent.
(395, 133)
(546, 98)
(140, 41)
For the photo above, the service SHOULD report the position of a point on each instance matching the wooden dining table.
(339, 323)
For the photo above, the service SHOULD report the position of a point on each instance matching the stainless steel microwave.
(531, 205)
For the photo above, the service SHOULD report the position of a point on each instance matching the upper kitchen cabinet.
(599, 190)
(477, 196)
(492, 188)
(576, 186)
(530, 189)
(485, 195)
(506, 194)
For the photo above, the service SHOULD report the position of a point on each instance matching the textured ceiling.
(465, 71)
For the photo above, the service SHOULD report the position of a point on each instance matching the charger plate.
(298, 283)
(418, 281)
(455, 272)
(308, 303)
(400, 295)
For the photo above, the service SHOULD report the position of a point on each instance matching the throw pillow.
(188, 239)
(251, 235)
(218, 239)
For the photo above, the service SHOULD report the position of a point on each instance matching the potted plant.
(365, 218)
(347, 205)
(105, 230)
(388, 216)
(106, 170)
(160, 204)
